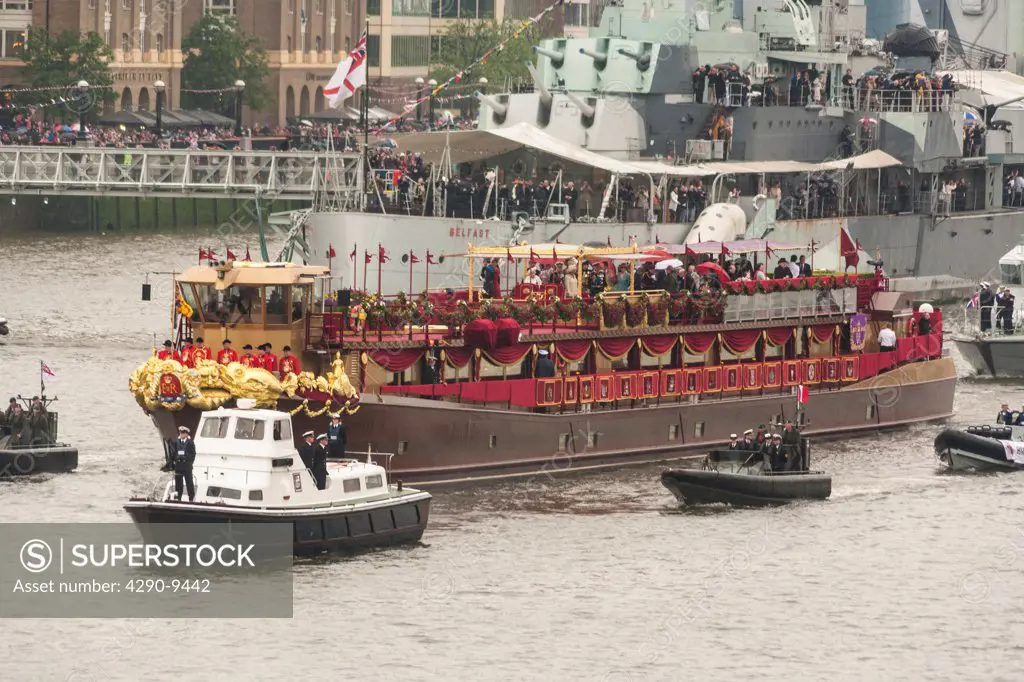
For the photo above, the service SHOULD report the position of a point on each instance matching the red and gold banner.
(605, 389)
(772, 375)
(712, 380)
(811, 371)
(625, 386)
(752, 373)
(650, 383)
(693, 381)
(586, 391)
(851, 368)
(549, 392)
(731, 378)
(571, 389)
(791, 373)
(833, 370)
(671, 382)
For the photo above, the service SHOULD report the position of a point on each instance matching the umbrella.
(670, 263)
(306, 123)
(387, 143)
(970, 118)
(711, 266)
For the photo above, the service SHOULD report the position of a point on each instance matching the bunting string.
(459, 75)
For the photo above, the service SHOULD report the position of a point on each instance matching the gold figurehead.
(170, 385)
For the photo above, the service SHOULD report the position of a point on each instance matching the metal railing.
(213, 174)
(785, 305)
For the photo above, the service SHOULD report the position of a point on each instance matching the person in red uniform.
(289, 363)
(227, 354)
(258, 356)
(188, 353)
(201, 351)
(248, 359)
(269, 359)
(168, 352)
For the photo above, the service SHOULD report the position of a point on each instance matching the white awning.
(476, 145)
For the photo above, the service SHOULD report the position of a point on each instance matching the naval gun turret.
(545, 99)
(643, 61)
(587, 110)
(499, 109)
(557, 58)
(600, 58)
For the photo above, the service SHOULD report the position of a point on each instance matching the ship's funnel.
(585, 109)
(497, 107)
(600, 58)
(643, 61)
(545, 95)
(557, 58)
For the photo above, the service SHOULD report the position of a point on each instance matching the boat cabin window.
(277, 304)
(301, 295)
(211, 302)
(242, 305)
(255, 495)
(282, 430)
(215, 427)
(249, 429)
(374, 482)
(350, 485)
(229, 493)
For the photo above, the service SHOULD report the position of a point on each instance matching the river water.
(904, 574)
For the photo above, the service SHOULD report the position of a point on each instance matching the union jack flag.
(973, 303)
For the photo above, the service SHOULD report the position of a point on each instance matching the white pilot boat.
(247, 470)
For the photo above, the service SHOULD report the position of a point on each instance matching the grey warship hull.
(1001, 357)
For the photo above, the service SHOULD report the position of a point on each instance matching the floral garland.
(657, 310)
(613, 310)
(304, 406)
(636, 311)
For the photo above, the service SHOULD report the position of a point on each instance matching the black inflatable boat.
(980, 448)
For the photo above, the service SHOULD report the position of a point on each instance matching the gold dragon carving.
(169, 385)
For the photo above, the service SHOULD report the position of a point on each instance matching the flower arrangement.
(566, 311)
(613, 310)
(765, 286)
(657, 311)
(826, 283)
(636, 311)
(679, 306)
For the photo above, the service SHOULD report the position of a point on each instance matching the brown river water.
(904, 574)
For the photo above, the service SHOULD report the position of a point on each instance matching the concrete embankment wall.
(31, 213)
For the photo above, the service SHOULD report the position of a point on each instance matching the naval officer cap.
(336, 415)
(184, 429)
(307, 434)
(322, 436)
(542, 352)
(748, 432)
(732, 435)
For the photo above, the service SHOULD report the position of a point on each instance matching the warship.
(623, 103)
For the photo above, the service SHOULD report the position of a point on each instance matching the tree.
(218, 53)
(62, 61)
(466, 41)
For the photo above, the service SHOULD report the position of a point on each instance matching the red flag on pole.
(609, 240)
(382, 255)
(330, 251)
(353, 254)
(202, 255)
(413, 258)
(848, 249)
(725, 250)
(430, 258)
(802, 394)
(248, 258)
(231, 255)
(369, 258)
(211, 255)
(510, 259)
(657, 240)
(533, 256)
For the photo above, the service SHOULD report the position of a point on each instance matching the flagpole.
(366, 266)
(410, 273)
(380, 265)
(42, 386)
(355, 264)
(426, 284)
(366, 92)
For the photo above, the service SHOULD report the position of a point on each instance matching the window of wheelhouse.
(215, 427)
(278, 304)
(249, 429)
(210, 303)
(244, 305)
(301, 296)
(283, 430)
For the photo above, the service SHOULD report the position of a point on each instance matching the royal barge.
(455, 384)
